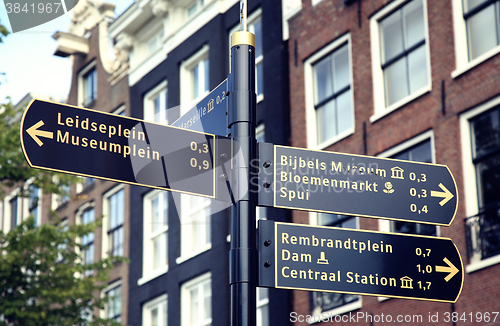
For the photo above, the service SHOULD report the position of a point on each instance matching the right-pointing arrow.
(34, 133)
(447, 195)
(451, 269)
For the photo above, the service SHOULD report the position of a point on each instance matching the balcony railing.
(483, 233)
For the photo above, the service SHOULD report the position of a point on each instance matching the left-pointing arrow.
(35, 133)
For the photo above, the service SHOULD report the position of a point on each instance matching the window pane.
(207, 300)
(194, 305)
(414, 20)
(396, 81)
(325, 121)
(344, 112)
(488, 174)
(341, 62)
(258, 38)
(482, 31)
(154, 317)
(486, 131)
(417, 66)
(155, 214)
(392, 36)
(206, 84)
(324, 79)
(260, 79)
(471, 4)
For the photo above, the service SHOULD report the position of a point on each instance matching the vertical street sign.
(305, 257)
(86, 142)
(358, 185)
(209, 115)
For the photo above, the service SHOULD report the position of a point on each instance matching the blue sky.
(28, 61)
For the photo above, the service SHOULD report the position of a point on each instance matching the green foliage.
(3, 32)
(41, 276)
(13, 166)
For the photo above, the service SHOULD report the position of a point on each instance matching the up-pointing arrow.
(34, 133)
(446, 194)
(451, 269)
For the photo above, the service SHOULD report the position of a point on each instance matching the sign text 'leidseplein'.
(365, 262)
(90, 143)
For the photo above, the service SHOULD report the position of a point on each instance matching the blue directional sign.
(209, 115)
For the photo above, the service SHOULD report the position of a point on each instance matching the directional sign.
(360, 185)
(91, 143)
(304, 257)
(209, 115)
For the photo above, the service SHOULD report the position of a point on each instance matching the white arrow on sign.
(451, 269)
(34, 133)
(446, 194)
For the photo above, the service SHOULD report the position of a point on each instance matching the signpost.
(91, 143)
(85, 142)
(209, 115)
(359, 185)
(314, 258)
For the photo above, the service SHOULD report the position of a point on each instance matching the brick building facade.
(411, 80)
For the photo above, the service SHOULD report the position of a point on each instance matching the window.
(155, 255)
(86, 215)
(59, 200)
(262, 306)
(155, 104)
(254, 25)
(477, 32)
(116, 204)
(195, 7)
(417, 149)
(87, 85)
(33, 203)
(195, 226)
(154, 312)
(483, 187)
(421, 152)
(14, 212)
(114, 304)
(326, 302)
(329, 95)
(196, 301)
(155, 41)
(63, 226)
(400, 50)
(194, 79)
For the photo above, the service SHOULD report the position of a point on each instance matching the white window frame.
(106, 219)
(161, 303)
(152, 30)
(385, 225)
(148, 273)
(311, 123)
(461, 47)
(253, 18)
(160, 91)
(186, 221)
(81, 81)
(7, 212)
(469, 176)
(120, 110)
(186, 68)
(185, 297)
(104, 312)
(379, 97)
(79, 220)
(199, 7)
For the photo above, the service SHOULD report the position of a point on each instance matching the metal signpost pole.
(241, 121)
